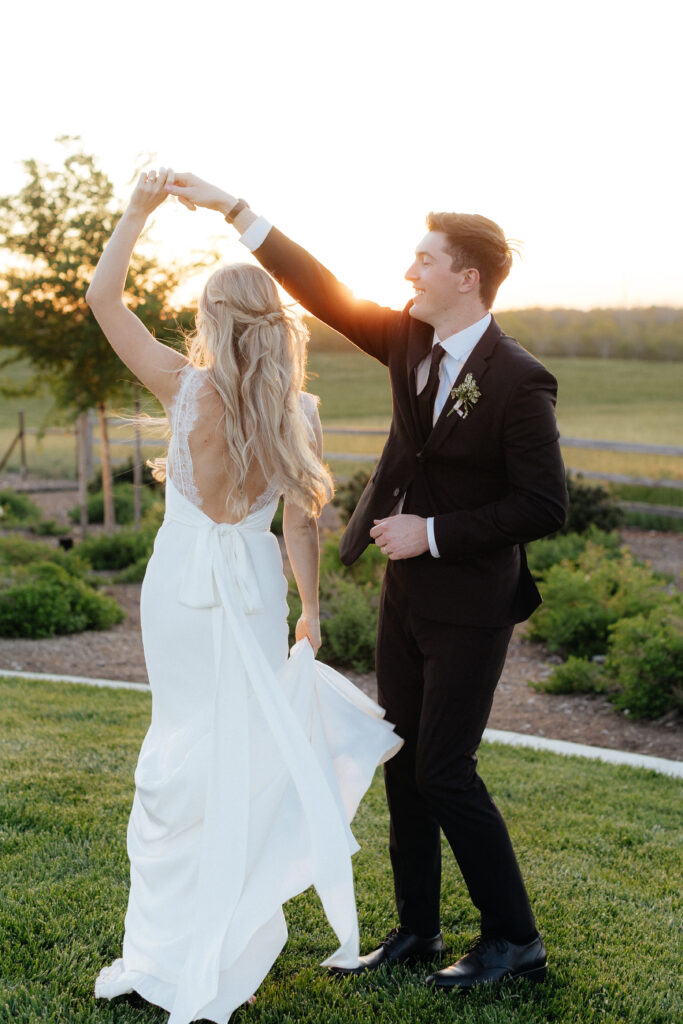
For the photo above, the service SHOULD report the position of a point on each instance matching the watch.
(240, 205)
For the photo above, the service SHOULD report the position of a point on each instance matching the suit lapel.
(477, 364)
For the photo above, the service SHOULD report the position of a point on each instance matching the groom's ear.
(470, 279)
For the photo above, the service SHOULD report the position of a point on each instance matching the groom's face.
(438, 289)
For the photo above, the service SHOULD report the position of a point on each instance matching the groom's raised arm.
(366, 324)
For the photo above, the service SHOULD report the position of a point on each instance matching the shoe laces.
(482, 944)
(394, 935)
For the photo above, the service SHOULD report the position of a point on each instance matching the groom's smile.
(438, 289)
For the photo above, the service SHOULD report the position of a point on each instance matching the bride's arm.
(155, 364)
(300, 532)
(301, 540)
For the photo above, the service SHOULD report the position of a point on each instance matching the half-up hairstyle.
(254, 353)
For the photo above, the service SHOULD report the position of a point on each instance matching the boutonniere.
(467, 394)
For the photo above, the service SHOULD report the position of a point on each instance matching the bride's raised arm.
(154, 364)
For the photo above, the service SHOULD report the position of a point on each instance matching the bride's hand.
(310, 629)
(150, 191)
(193, 192)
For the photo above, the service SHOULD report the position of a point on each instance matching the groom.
(470, 472)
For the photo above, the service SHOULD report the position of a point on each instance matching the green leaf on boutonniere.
(467, 395)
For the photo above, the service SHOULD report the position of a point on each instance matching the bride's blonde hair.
(253, 351)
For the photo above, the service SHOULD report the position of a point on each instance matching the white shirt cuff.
(256, 234)
(430, 537)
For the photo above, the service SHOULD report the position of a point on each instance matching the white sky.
(345, 123)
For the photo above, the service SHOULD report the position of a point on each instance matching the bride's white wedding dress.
(254, 763)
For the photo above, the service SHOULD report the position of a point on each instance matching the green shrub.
(117, 550)
(582, 600)
(349, 599)
(643, 669)
(561, 547)
(644, 663)
(576, 675)
(153, 517)
(48, 528)
(276, 525)
(123, 505)
(16, 551)
(590, 505)
(41, 599)
(17, 509)
(294, 604)
(369, 568)
(348, 493)
(349, 628)
(134, 573)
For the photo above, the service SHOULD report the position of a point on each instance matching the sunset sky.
(345, 123)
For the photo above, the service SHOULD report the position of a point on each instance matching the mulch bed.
(117, 654)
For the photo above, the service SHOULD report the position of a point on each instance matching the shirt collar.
(460, 344)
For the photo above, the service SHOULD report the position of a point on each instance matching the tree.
(56, 228)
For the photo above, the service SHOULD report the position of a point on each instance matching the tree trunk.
(82, 454)
(89, 455)
(107, 484)
(137, 465)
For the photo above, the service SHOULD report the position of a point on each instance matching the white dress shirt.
(458, 348)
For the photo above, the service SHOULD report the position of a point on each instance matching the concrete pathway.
(515, 739)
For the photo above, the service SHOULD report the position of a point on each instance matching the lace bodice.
(183, 415)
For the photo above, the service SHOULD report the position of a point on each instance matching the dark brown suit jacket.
(492, 481)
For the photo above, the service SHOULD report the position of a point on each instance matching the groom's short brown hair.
(476, 241)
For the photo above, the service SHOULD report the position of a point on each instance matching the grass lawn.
(598, 845)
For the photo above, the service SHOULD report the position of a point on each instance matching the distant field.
(611, 399)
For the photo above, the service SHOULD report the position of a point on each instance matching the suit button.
(420, 456)
(397, 491)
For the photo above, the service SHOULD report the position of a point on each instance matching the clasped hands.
(153, 187)
(401, 536)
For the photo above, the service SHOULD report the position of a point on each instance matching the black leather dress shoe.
(400, 946)
(494, 960)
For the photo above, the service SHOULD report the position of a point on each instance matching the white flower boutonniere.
(467, 394)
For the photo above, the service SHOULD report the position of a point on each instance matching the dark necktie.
(427, 397)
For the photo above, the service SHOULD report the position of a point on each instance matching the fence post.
(23, 468)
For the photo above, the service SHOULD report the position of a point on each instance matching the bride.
(256, 758)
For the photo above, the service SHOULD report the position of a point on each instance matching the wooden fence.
(626, 447)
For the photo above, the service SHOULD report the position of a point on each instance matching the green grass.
(598, 845)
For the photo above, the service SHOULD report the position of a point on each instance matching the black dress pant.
(436, 681)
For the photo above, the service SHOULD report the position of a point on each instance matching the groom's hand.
(401, 536)
(193, 192)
